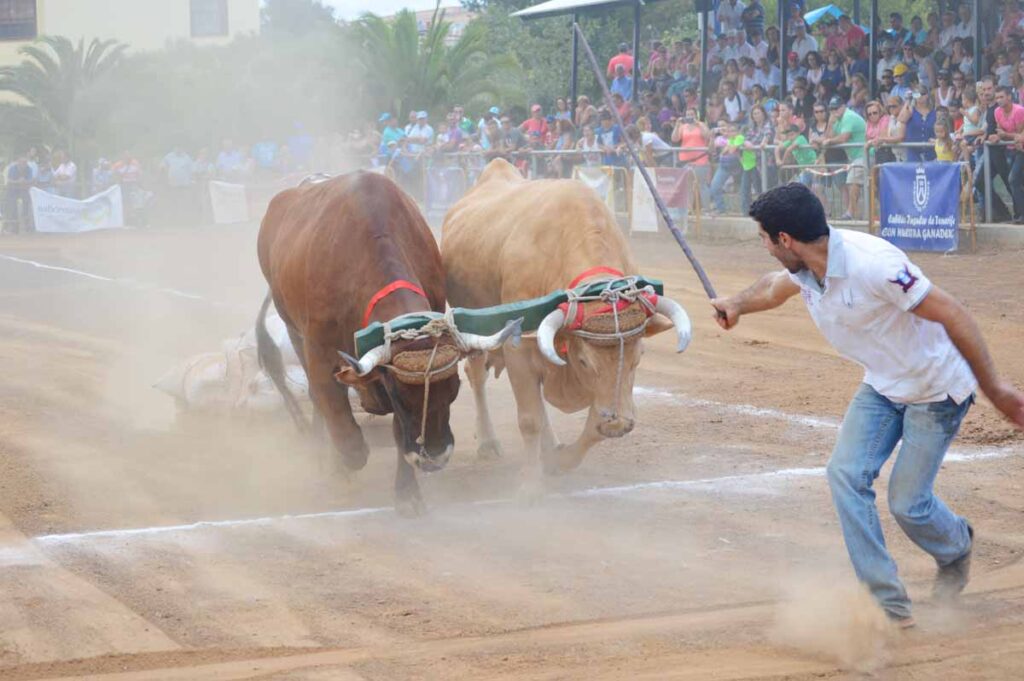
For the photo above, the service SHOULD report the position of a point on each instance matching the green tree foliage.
(57, 84)
(403, 70)
(254, 88)
(296, 17)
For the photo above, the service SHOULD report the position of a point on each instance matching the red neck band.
(388, 290)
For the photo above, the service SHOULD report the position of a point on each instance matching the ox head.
(599, 363)
(419, 377)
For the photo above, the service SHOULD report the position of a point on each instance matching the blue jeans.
(1016, 163)
(751, 178)
(871, 428)
(722, 175)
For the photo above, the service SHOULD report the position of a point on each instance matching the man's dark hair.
(896, 15)
(792, 208)
(1006, 90)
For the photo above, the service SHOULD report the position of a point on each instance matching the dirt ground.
(137, 545)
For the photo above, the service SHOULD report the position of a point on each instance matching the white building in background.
(142, 24)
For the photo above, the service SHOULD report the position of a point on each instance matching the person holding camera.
(918, 119)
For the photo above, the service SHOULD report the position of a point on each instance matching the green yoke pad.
(490, 320)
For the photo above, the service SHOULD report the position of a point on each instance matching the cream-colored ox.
(510, 239)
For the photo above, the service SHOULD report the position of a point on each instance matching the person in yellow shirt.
(944, 144)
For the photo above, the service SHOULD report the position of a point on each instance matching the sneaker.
(951, 579)
(902, 622)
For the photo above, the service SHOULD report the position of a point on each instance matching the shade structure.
(553, 8)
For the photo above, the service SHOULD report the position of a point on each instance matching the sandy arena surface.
(702, 546)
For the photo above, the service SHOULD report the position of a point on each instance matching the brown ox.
(328, 249)
(510, 239)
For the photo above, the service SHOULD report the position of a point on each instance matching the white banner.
(229, 202)
(595, 177)
(645, 211)
(60, 214)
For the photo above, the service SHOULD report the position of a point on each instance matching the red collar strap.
(387, 291)
(581, 314)
(592, 271)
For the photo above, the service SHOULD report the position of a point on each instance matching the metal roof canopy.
(554, 8)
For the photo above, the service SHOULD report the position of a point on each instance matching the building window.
(209, 18)
(17, 19)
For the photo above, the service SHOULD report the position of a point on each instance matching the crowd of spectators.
(925, 104)
(173, 187)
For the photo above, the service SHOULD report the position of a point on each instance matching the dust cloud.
(834, 617)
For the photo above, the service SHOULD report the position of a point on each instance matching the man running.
(923, 356)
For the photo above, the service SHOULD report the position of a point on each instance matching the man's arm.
(767, 293)
(938, 306)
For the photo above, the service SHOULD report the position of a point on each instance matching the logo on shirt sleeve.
(904, 279)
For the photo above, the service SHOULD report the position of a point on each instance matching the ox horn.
(546, 336)
(368, 362)
(680, 320)
(513, 330)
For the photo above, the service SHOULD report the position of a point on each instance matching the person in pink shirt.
(535, 127)
(1010, 128)
(854, 34)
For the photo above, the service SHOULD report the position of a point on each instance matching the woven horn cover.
(629, 319)
(410, 364)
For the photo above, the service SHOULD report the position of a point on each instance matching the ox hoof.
(354, 457)
(409, 504)
(530, 492)
(489, 450)
(553, 460)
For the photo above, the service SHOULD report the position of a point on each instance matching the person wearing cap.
(623, 59)
(848, 127)
(489, 115)
(535, 127)
(730, 14)
(622, 84)
(390, 132)
(420, 134)
(803, 42)
(900, 87)
(609, 136)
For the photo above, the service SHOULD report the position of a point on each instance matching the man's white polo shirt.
(864, 311)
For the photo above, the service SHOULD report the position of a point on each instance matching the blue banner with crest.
(920, 205)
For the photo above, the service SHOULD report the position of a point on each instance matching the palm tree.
(403, 70)
(56, 81)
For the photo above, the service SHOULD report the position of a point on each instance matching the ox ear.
(348, 372)
(659, 324)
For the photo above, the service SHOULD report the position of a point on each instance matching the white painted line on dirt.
(656, 395)
(128, 283)
(203, 524)
(749, 483)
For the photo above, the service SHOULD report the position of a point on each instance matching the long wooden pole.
(680, 239)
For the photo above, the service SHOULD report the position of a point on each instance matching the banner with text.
(920, 205)
(229, 202)
(60, 214)
(674, 187)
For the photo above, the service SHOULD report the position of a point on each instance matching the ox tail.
(272, 362)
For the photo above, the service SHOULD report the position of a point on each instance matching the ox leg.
(488, 447)
(331, 400)
(408, 498)
(526, 386)
(564, 458)
(319, 430)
